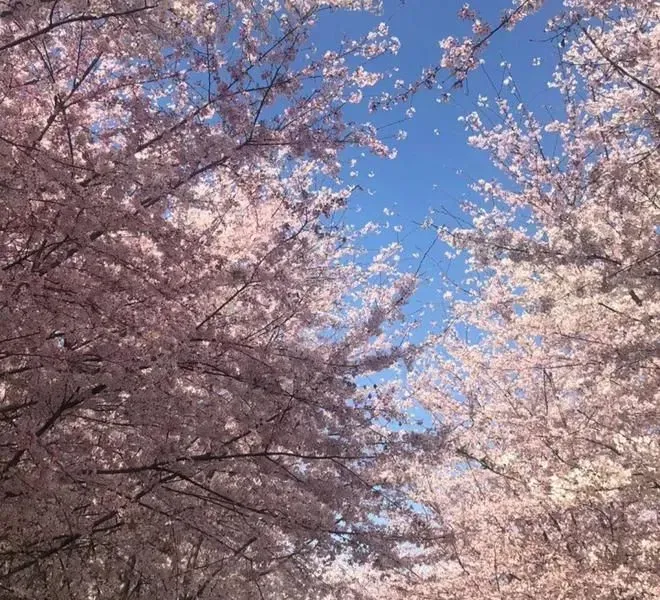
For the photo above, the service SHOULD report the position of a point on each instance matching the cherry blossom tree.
(182, 325)
(546, 380)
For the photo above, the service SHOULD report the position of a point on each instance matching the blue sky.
(435, 166)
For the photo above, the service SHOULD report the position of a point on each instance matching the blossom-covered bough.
(547, 383)
(178, 342)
